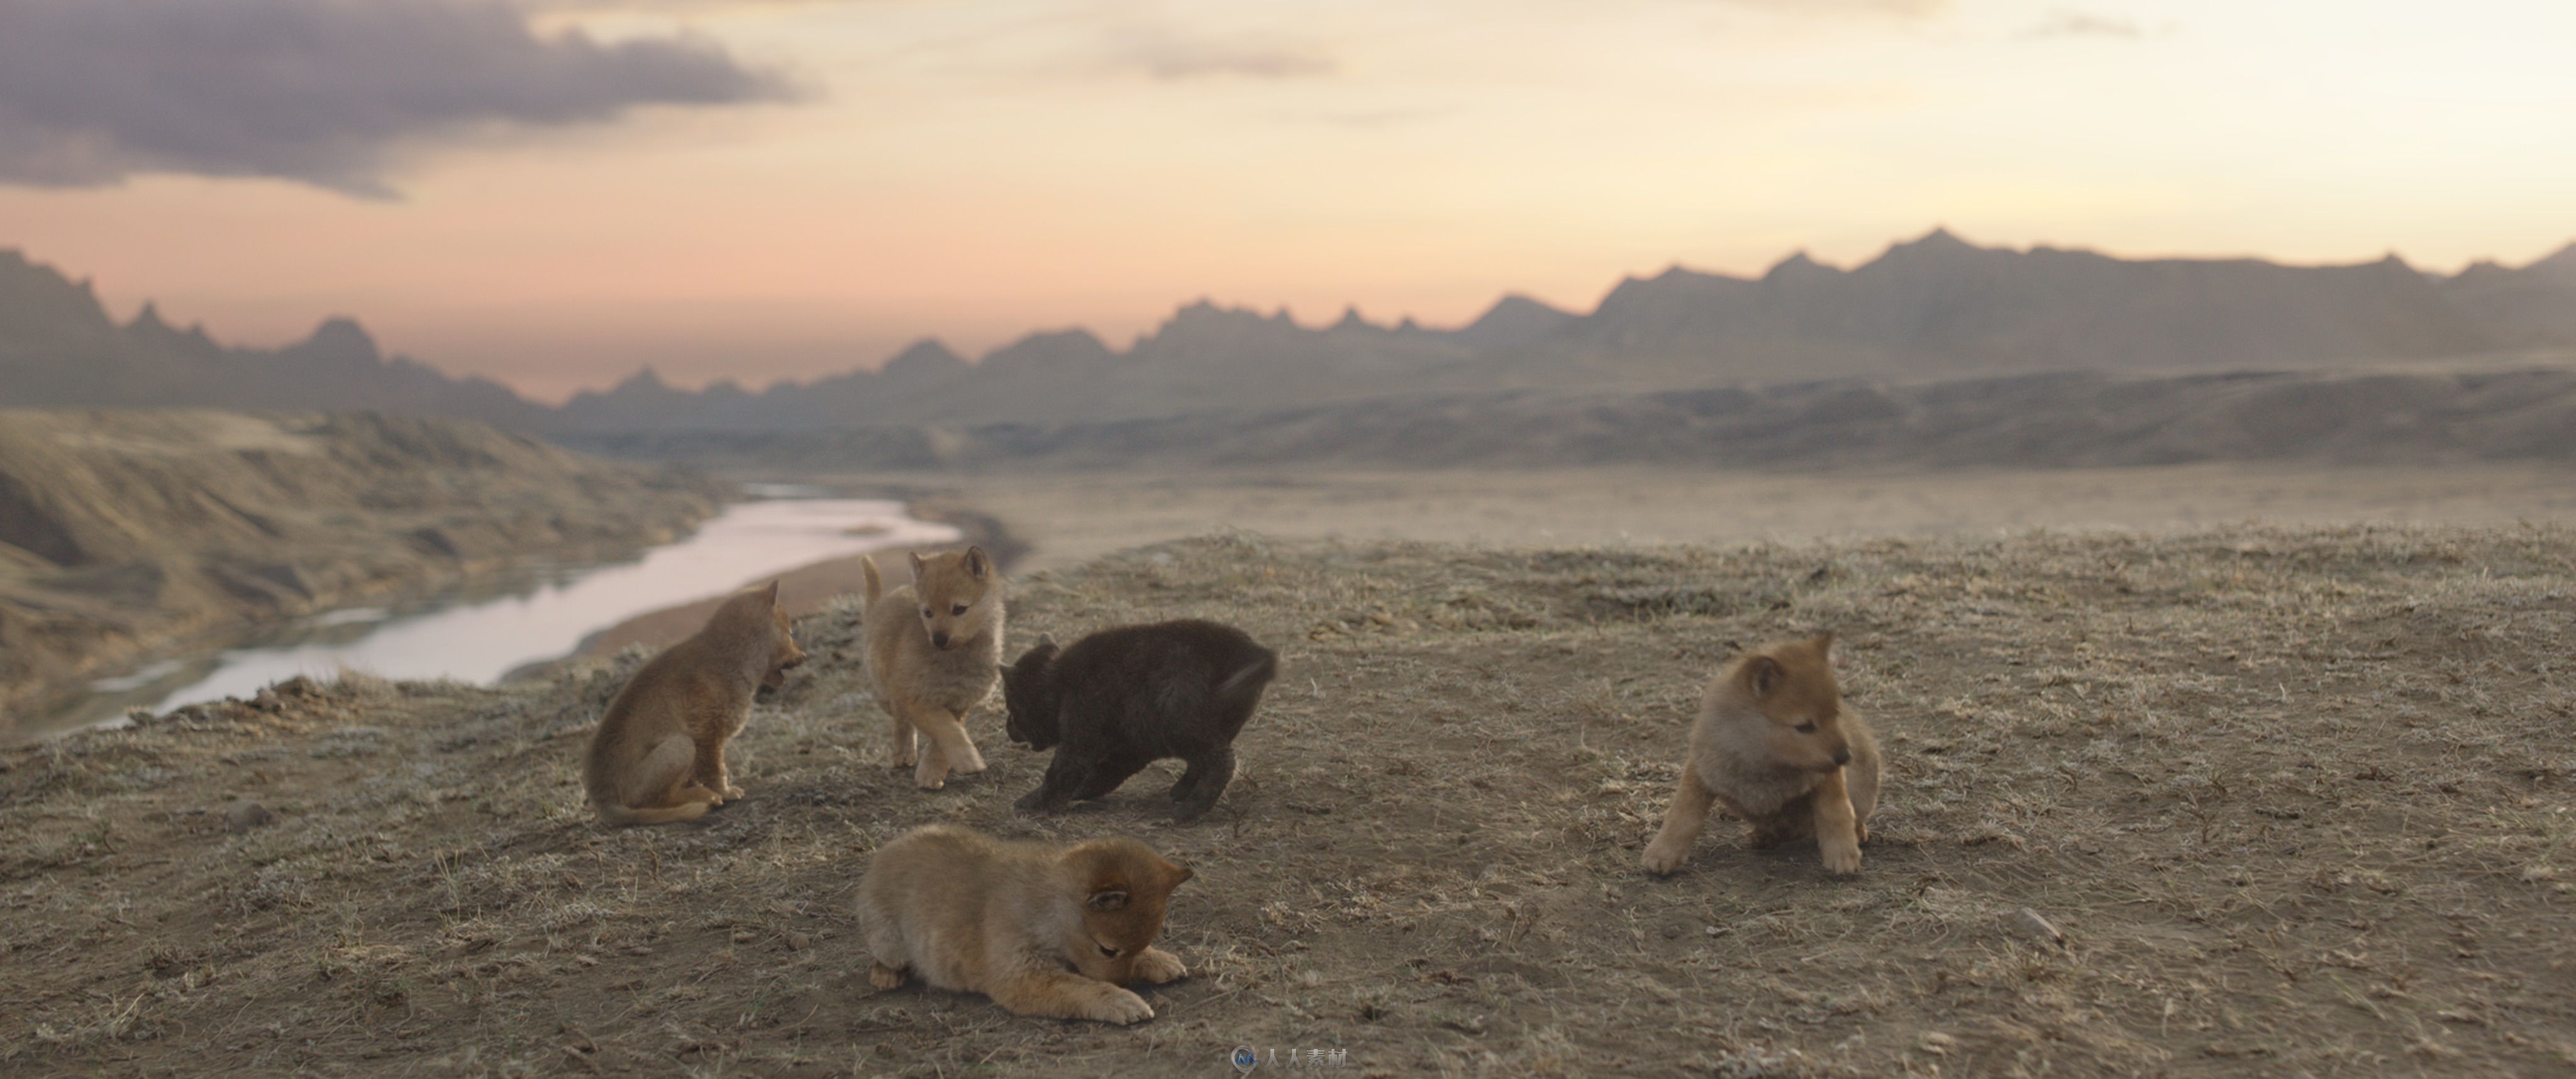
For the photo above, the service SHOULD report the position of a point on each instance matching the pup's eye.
(1107, 950)
(928, 613)
(1806, 728)
(959, 609)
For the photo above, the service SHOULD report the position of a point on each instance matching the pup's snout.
(1842, 757)
(939, 639)
(792, 664)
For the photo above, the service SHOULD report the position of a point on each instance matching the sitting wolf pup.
(659, 753)
(932, 647)
(1043, 930)
(1775, 745)
(1123, 698)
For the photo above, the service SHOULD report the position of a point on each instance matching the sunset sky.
(781, 189)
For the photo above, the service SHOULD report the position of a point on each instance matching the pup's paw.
(884, 977)
(969, 764)
(1841, 859)
(1860, 831)
(733, 792)
(1120, 1006)
(1159, 966)
(1662, 857)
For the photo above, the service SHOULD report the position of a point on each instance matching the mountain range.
(1933, 308)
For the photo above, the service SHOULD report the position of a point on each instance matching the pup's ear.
(1762, 675)
(1180, 874)
(917, 565)
(977, 562)
(1046, 640)
(1836, 656)
(771, 591)
(1113, 898)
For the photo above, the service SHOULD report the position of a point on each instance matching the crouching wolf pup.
(933, 646)
(1043, 930)
(1124, 698)
(659, 753)
(1775, 745)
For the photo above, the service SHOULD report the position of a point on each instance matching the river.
(540, 611)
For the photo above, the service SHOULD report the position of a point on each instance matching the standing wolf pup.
(659, 753)
(934, 649)
(1775, 745)
(1053, 931)
(1124, 698)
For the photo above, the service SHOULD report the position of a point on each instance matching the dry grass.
(2300, 800)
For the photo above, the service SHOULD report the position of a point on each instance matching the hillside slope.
(2299, 801)
(2400, 416)
(120, 531)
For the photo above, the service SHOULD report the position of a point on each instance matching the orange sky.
(972, 170)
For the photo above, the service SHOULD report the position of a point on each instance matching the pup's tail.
(1250, 680)
(618, 816)
(876, 584)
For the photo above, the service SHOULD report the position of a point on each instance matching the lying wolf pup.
(1775, 745)
(1043, 930)
(1123, 698)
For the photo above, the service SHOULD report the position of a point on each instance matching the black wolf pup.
(1123, 698)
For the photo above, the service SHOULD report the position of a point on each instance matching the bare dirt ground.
(2302, 801)
(1070, 518)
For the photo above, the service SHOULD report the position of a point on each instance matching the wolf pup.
(1775, 745)
(1043, 930)
(659, 753)
(933, 649)
(1123, 698)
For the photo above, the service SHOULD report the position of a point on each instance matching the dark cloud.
(321, 91)
(2067, 22)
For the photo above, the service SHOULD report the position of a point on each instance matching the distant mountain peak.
(1514, 319)
(2561, 263)
(1351, 320)
(644, 380)
(1799, 266)
(926, 358)
(338, 340)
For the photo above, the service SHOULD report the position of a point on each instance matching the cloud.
(1905, 9)
(319, 91)
(2068, 22)
(1170, 57)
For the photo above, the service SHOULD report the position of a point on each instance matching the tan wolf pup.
(659, 753)
(934, 651)
(1775, 745)
(1041, 929)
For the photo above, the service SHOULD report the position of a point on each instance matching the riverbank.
(2297, 800)
(812, 588)
(130, 534)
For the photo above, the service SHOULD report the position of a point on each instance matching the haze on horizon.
(761, 190)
